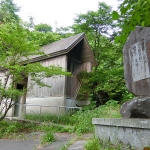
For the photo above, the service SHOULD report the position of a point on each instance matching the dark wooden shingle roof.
(64, 44)
(62, 47)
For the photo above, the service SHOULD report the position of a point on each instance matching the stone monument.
(136, 54)
(135, 130)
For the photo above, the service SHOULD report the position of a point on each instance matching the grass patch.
(54, 128)
(48, 138)
(97, 144)
(92, 144)
(7, 128)
(81, 121)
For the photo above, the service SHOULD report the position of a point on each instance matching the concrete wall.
(133, 132)
(39, 105)
(49, 105)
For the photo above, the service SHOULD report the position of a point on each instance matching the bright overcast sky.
(60, 11)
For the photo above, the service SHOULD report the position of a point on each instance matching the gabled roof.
(65, 44)
(63, 47)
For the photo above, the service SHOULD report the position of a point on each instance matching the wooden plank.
(57, 83)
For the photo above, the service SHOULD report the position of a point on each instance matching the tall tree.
(95, 24)
(8, 10)
(17, 45)
(106, 80)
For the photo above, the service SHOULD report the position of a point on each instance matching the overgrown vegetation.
(93, 143)
(8, 128)
(81, 121)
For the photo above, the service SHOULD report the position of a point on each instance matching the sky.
(57, 13)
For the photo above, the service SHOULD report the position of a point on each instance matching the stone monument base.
(132, 132)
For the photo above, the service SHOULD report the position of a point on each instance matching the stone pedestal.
(134, 133)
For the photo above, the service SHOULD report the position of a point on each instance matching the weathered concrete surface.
(18, 144)
(138, 107)
(136, 54)
(78, 145)
(133, 132)
(31, 141)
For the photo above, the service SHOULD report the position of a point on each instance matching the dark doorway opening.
(20, 108)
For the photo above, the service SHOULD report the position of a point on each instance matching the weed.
(48, 138)
(98, 144)
(92, 144)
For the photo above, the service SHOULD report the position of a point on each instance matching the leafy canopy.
(132, 13)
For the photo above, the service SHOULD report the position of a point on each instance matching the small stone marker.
(136, 55)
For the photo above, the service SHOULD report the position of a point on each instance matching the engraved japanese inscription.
(139, 61)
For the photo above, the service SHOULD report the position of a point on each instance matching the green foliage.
(45, 38)
(7, 128)
(131, 14)
(99, 144)
(106, 81)
(55, 128)
(106, 145)
(8, 11)
(80, 121)
(63, 119)
(42, 118)
(48, 138)
(64, 32)
(95, 23)
(42, 27)
(93, 144)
